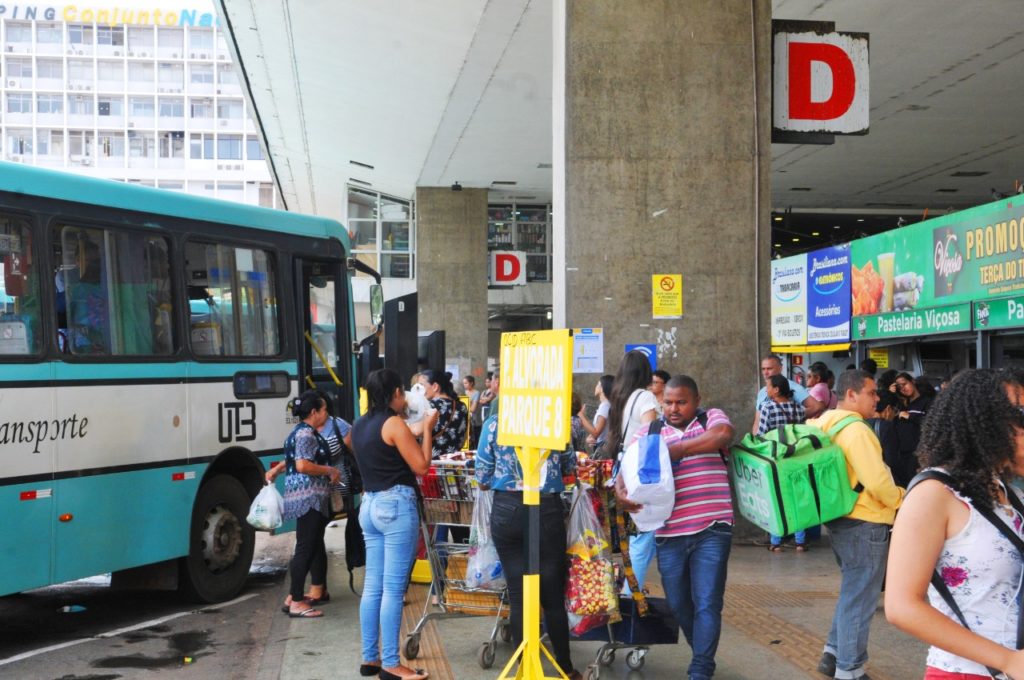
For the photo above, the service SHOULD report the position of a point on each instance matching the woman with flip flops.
(307, 487)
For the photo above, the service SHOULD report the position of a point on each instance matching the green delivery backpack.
(792, 478)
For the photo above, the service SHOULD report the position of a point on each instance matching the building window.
(80, 105)
(19, 142)
(80, 142)
(110, 72)
(226, 74)
(19, 103)
(50, 143)
(172, 185)
(111, 144)
(141, 72)
(79, 34)
(200, 74)
(79, 71)
(49, 34)
(50, 103)
(172, 108)
(171, 75)
(110, 106)
(201, 145)
(200, 108)
(110, 35)
(19, 33)
(141, 106)
(172, 144)
(141, 144)
(253, 150)
(229, 147)
(266, 194)
(382, 227)
(200, 41)
(19, 68)
(20, 307)
(171, 39)
(51, 69)
(140, 41)
(230, 109)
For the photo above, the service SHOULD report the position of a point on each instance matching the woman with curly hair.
(974, 434)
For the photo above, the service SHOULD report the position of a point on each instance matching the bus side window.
(117, 293)
(19, 289)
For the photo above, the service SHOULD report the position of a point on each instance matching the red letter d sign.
(508, 268)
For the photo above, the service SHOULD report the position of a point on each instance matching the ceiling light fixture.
(815, 233)
(456, 186)
(796, 240)
(778, 219)
(361, 164)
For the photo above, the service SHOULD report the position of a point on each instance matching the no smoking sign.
(667, 296)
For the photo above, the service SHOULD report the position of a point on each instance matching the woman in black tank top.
(389, 459)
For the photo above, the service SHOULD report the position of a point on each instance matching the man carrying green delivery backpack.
(860, 540)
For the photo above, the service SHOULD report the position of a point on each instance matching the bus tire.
(221, 542)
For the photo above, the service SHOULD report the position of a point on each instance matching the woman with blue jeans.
(389, 459)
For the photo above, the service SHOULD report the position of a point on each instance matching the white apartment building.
(140, 92)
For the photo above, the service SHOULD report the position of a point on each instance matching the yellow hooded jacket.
(881, 497)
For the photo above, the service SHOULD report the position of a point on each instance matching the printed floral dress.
(450, 428)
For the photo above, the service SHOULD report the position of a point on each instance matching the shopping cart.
(640, 627)
(449, 490)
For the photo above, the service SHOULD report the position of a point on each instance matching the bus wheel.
(220, 542)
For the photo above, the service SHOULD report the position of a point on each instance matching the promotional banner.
(828, 295)
(789, 300)
(970, 255)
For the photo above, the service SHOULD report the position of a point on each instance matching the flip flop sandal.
(306, 614)
(326, 597)
(285, 608)
(420, 675)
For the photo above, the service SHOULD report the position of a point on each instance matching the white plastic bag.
(647, 473)
(483, 569)
(266, 509)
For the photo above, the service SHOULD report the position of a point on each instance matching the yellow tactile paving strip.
(432, 656)
(747, 609)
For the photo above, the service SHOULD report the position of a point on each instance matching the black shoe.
(368, 670)
(827, 665)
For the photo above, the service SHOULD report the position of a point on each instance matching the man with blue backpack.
(860, 540)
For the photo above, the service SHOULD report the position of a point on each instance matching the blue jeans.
(693, 570)
(861, 549)
(390, 523)
(800, 536)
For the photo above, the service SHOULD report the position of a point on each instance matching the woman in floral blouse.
(975, 434)
(452, 417)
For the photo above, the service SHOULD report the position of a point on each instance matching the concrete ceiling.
(430, 93)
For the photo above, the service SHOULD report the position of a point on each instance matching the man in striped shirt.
(693, 545)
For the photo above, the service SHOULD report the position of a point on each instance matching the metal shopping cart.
(449, 490)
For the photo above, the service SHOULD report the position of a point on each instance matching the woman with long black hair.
(389, 459)
(632, 405)
(452, 417)
(956, 527)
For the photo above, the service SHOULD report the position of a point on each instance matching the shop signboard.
(828, 295)
(789, 300)
(1001, 313)
(970, 255)
(945, 319)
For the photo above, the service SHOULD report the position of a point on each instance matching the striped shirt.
(702, 482)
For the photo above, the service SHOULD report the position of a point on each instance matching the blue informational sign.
(649, 351)
(828, 295)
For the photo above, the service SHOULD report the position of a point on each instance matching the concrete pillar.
(451, 281)
(661, 166)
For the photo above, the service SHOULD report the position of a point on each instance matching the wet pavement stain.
(180, 645)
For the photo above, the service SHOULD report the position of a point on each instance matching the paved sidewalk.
(778, 610)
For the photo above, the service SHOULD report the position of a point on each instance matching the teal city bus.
(150, 342)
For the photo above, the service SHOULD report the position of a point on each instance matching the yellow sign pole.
(536, 388)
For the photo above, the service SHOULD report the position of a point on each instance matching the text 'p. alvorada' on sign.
(533, 367)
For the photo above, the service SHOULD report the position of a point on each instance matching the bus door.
(324, 358)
